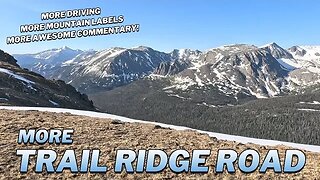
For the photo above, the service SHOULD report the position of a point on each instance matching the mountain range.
(238, 71)
(263, 92)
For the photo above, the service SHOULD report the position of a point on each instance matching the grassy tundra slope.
(110, 135)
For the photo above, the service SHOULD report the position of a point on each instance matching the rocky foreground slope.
(110, 135)
(21, 87)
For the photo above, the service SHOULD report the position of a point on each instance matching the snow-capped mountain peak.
(44, 60)
(272, 44)
(52, 56)
(142, 48)
(65, 48)
(234, 48)
(185, 54)
(64, 51)
(311, 53)
(277, 51)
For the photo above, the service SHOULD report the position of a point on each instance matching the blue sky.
(169, 24)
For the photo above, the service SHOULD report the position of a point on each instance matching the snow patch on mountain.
(178, 96)
(234, 48)
(308, 53)
(54, 103)
(10, 73)
(288, 64)
(312, 103)
(310, 110)
(79, 58)
(182, 83)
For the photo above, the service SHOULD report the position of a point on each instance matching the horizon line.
(110, 47)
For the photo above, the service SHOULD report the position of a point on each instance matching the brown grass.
(108, 136)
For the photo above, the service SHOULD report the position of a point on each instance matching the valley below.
(292, 118)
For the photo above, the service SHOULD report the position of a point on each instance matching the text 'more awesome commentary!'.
(69, 24)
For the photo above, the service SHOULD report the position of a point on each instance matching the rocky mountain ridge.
(247, 70)
(21, 87)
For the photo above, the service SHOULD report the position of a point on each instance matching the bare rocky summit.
(109, 135)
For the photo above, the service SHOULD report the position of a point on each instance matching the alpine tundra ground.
(110, 135)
